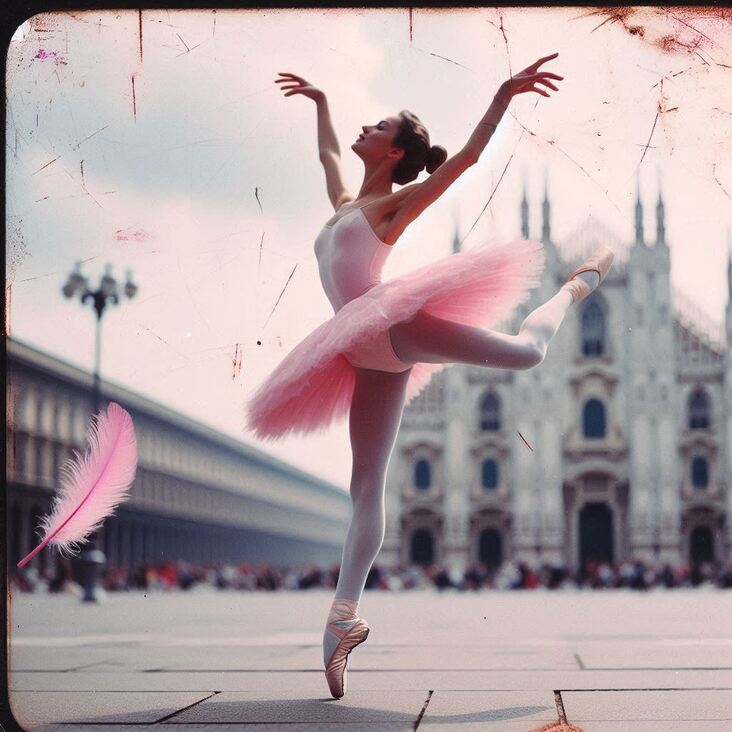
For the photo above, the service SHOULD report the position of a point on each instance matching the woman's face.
(374, 142)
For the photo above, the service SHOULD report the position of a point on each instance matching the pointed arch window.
(490, 413)
(699, 411)
(593, 329)
(593, 418)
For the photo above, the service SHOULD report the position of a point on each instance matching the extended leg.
(431, 339)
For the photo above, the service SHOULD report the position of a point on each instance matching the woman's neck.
(376, 183)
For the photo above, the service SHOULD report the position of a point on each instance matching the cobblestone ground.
(601, 660)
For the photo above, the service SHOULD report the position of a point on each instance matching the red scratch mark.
(82, 174)
(410, 26)
(47, 164)
(6, 317)
(76, 147)
(134, 103)
(505, 40)
(214, 26)
(131, 235)
(139, 20)
(261, 241)
(281, 293)
(236, 365)
(527, 444)
(256, 195)
(714, 173)
(183, 42)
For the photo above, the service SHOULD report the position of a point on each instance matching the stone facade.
(617, 446)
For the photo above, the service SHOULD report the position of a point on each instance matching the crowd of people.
(181, 575)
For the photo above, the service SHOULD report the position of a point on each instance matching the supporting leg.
(376, 411)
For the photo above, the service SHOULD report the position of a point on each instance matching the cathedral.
(618, 446)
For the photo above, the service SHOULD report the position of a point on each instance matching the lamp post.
(92, 560)
(107, 290)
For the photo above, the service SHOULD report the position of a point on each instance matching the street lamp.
(107, 290)
(91, 560)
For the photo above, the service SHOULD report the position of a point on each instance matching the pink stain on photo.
(58, 58)
(131, 235)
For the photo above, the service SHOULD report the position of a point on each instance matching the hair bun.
(435, 158)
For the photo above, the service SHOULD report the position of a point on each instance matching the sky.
(158, 142)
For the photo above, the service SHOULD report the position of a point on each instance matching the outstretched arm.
(328, 150)
(428, 191)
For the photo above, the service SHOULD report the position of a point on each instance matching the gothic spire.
(660, 216)
(524, 215)
(545, 210)
(638, 217)
(729, 262)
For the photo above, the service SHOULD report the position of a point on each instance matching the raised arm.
(423, 194)
(328, 150)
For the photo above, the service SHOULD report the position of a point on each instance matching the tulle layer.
(313, 385)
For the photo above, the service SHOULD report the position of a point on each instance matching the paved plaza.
(615, 660)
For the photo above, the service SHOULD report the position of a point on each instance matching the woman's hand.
(526, 80)
(298, 85)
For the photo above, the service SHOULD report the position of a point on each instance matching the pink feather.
(92, 486)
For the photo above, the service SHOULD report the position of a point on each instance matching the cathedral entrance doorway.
(595, 534)
(422, 549)
(701, 545)
(490, 550)
(596, 511)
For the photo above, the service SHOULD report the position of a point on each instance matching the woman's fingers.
(542, 74)
(547, 83)
(543, 60)
(533, 67)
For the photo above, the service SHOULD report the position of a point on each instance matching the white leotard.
(350, 257)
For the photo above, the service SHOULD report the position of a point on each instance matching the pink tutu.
(313, 385)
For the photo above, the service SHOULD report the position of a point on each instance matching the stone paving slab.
(55, 659)
(255, 727)
(476, 710)
(272, 654)
(515, 726)
(33, 708)
(426, 657)
(664, 726)
(294, 706)
(648, 704)
(655, 655)
(312, 681)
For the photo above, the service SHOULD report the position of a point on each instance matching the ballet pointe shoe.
(350, 634)
(599, 261)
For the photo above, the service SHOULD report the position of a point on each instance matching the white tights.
(378, 403)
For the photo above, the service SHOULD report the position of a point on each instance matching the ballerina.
(386, 339)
